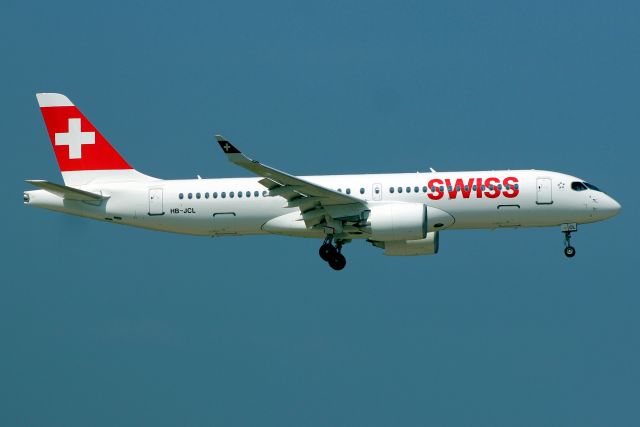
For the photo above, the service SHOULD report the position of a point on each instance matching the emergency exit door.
(544, 191)
(377, 191)
(155, 201)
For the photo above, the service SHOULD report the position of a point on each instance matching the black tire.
(327, 251)
(570, 251)
(338, 261)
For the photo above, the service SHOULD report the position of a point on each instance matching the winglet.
(226, 146)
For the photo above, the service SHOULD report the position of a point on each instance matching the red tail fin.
(78, 145)
(83, 154)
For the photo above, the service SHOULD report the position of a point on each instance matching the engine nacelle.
(427, 246)
(398, 222)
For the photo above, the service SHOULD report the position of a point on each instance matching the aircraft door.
(508, 216)
(223, 223)
(543, 196)
(155, 201)
(377, 191)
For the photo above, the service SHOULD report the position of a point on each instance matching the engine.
(398, 222)
(427, 246)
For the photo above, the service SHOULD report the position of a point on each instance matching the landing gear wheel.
(332, 253)
(327, 251)
(337, 261)
(567, 229)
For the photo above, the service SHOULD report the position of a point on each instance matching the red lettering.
(494, 192)
(465, 189)
(510, 187)
(453, 192)
(434, 189)
(492, 188)
(460, 186)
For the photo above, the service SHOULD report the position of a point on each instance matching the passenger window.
(362, 190)
(190, 196)
(499, 186)
(248, 194)
(181, 196)
(416, 189)
(264, 193)
(474, 188)
(424, 189)
(223, 195)
(391, 190)
(197, 195)
(433, 188)
(206, 195)
(215, 195)
(239, 194)
(399, 189)
(408, 189)
(256, 194)
(348, 191)
(231, 194)
(466, 188)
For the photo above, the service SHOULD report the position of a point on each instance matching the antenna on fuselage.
(432, 169)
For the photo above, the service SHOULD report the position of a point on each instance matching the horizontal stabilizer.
(65, 192)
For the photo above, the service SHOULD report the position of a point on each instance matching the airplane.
(401, 213)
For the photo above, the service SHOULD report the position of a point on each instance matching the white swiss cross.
(75, 139)
(226, 147)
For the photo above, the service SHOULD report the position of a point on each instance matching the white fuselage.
(214, 207)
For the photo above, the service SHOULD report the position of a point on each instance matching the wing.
(316, 203)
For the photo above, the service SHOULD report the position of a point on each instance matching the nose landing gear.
(570, 251)
(332, 254)
(567, 229)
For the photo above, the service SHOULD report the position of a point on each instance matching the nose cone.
(609, 207)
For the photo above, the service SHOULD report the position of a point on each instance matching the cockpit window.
(578, 186)
(592, 187)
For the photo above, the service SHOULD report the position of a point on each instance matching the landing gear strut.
(567, 229)
(332, 254)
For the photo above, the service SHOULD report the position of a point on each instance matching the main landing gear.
(567, 229)
(332, 254)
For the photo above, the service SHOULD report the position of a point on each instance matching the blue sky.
(104, 325)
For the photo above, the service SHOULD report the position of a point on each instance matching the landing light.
(25, 197)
